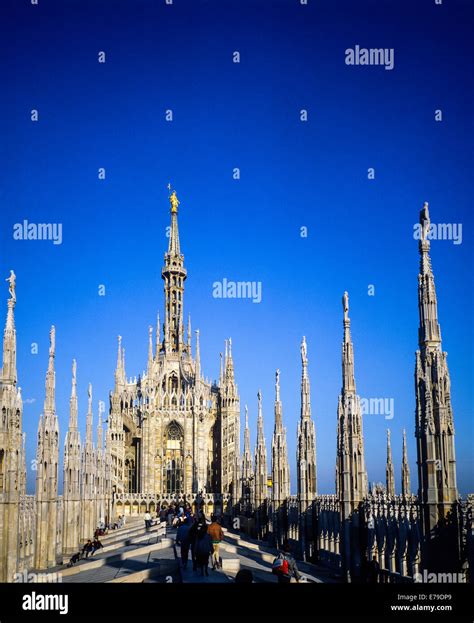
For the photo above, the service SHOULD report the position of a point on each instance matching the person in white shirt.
(147, 520)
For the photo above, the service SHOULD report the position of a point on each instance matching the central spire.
(429, 334)
(174, 275)
(173, 246)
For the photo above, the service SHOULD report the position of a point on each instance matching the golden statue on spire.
(173, 201)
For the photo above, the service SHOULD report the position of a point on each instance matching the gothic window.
(130, 473)
(173, 384)
(174, 476)
(174, 459)
(174, 432)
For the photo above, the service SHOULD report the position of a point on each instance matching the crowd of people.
(195, 536)
(197, 539)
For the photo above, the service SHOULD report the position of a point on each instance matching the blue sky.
(293, 174)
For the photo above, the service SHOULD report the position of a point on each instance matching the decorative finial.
(52, 341)
(345, 305)
(74, 368)
(304, 350)
(12, 281)
(425, 221)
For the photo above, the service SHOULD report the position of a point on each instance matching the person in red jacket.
(285, 578)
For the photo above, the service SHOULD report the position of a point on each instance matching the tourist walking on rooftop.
(147, 521)
(182, 539)
(203, 548)
(217, 535)
(284, 567)
(162, 514)
(192, 540)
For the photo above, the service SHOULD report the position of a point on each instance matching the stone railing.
(391, 525)
(393, 535)
(140, 503)
(327, 530)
